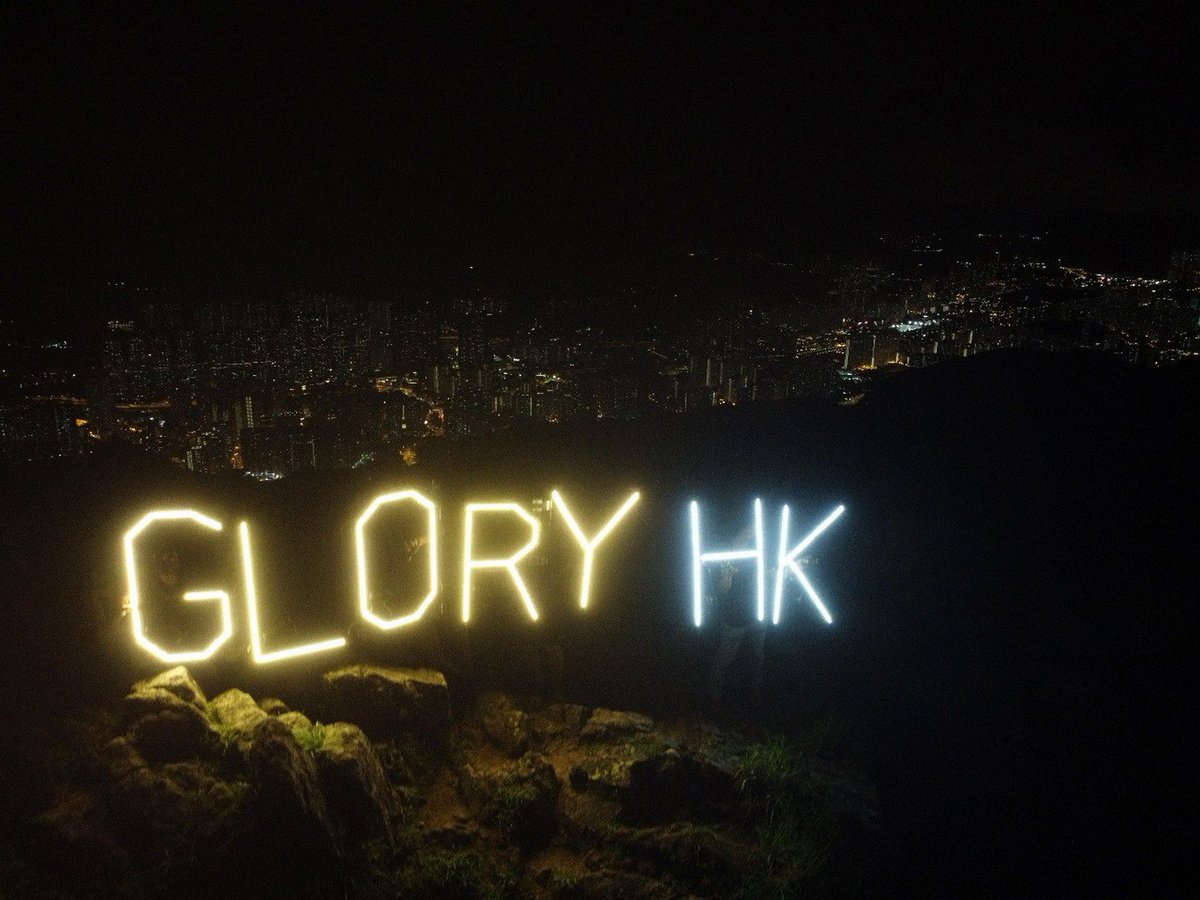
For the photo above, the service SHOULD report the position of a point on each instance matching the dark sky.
(208, 144)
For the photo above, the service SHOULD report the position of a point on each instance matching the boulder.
(505, 726)
(167, 717)
(296, 721)
(355, 783)
(556, 722)
(518, 798)
(608, 766)
(149, 701)
(173, 734)
(118, 758)
(288, 805)
(390, 703)
(237, 714)
(177, 681)
(395, 766)
(654, 780)
(680, 784)
(610, 724)
(173, 807)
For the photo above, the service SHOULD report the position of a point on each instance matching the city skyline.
(314, 380)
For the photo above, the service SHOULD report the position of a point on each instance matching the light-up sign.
(135, 603)
(758, 554)
(360, 556)
(589, 547)
(787, 561)
(508, 563)
(484, 524)
(256, 642)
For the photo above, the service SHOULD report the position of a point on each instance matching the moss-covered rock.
(298, 722)
(518, 798)
(273, 706)
(236, 713)
(613, 724)
(654, 809)
(177, 681)
(504, 724)
(355, 783)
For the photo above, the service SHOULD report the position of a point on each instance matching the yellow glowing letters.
(509, 563)
(135, 610)
(360, 549)
(256, 644)
(589, 547)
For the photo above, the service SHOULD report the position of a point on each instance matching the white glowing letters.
(758, 554)
(787, 561)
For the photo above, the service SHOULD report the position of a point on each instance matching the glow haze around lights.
(508, 563)
(360, 555)
(256, 643)
(787, 560)
(135, 611)
(589, 547)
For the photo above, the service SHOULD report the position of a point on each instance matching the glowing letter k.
(787, 560)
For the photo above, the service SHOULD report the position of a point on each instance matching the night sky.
(194, 145)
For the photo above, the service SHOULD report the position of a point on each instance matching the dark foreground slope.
(1012, 659)
(174, 794)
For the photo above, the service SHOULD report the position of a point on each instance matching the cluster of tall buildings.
(316, 381)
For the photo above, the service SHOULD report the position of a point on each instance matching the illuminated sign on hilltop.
(478, 518)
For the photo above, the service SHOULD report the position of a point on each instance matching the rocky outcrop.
(273, 706)
(167, 717)
(290, 809)
(177, 681)
(175, 733)
(505, 725)
(237, 714)
(518, 797)
(354, 780)
(180, 795)
(607, 724)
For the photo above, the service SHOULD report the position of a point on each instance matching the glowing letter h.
(700, 558)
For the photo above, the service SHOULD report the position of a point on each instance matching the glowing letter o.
(360, 550)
